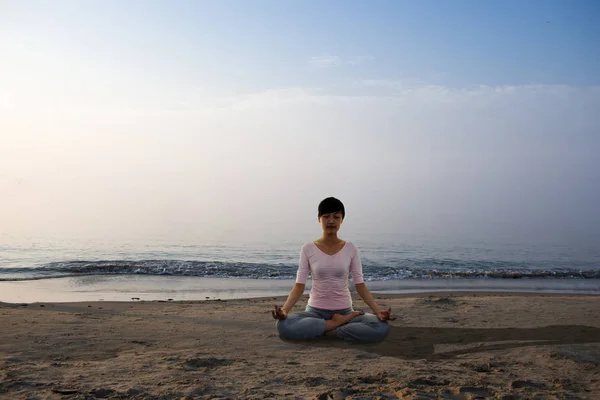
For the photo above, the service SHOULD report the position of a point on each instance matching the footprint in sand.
(416, 394)
(310, 381)
(102, 393)
(367, 356)
(314, 381)
(429, 381)
(526, 384)
(379, 378)
(209, 363)
(335, 394)
(470, 392)
(440, 301)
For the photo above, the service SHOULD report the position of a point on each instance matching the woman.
(329, 310)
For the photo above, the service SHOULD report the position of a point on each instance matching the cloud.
(281, 98)
(332, 61)
(324, 61)
(360, 60)
(417, 94)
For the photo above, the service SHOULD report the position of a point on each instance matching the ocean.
(390, 265)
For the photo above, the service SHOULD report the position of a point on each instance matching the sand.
(447, 346)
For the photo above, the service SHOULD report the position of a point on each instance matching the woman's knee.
(283, 328)
(298, 328)
(383, 329)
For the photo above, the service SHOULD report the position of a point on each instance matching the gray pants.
(310, 324)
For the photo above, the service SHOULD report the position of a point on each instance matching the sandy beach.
(448, 346)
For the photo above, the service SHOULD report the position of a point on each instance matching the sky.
(195, 120)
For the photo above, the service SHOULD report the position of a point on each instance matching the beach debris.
(135, 298)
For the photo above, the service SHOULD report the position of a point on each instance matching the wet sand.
(449, 346)
(188, 288)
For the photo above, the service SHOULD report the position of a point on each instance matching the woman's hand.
(278, 312)
(365, 294)
(386, 315)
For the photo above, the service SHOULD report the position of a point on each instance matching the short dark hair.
(331, 205)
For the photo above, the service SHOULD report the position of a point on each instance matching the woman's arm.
(295, 294)
(298, 289)
(361, 287)
(293, 297)
(365, 294)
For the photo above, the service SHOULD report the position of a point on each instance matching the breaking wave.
(405, 269)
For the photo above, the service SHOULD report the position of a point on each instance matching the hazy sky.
(199, 119)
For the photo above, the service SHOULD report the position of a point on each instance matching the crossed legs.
(346, 324)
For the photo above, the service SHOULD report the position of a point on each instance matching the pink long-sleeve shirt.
(329, 275)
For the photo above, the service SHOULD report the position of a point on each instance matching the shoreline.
(448, 294)
(125, 288)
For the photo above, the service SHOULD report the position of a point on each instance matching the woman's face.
(331, 222)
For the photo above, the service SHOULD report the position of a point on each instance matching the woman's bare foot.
(344, 319)
(338, 320)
